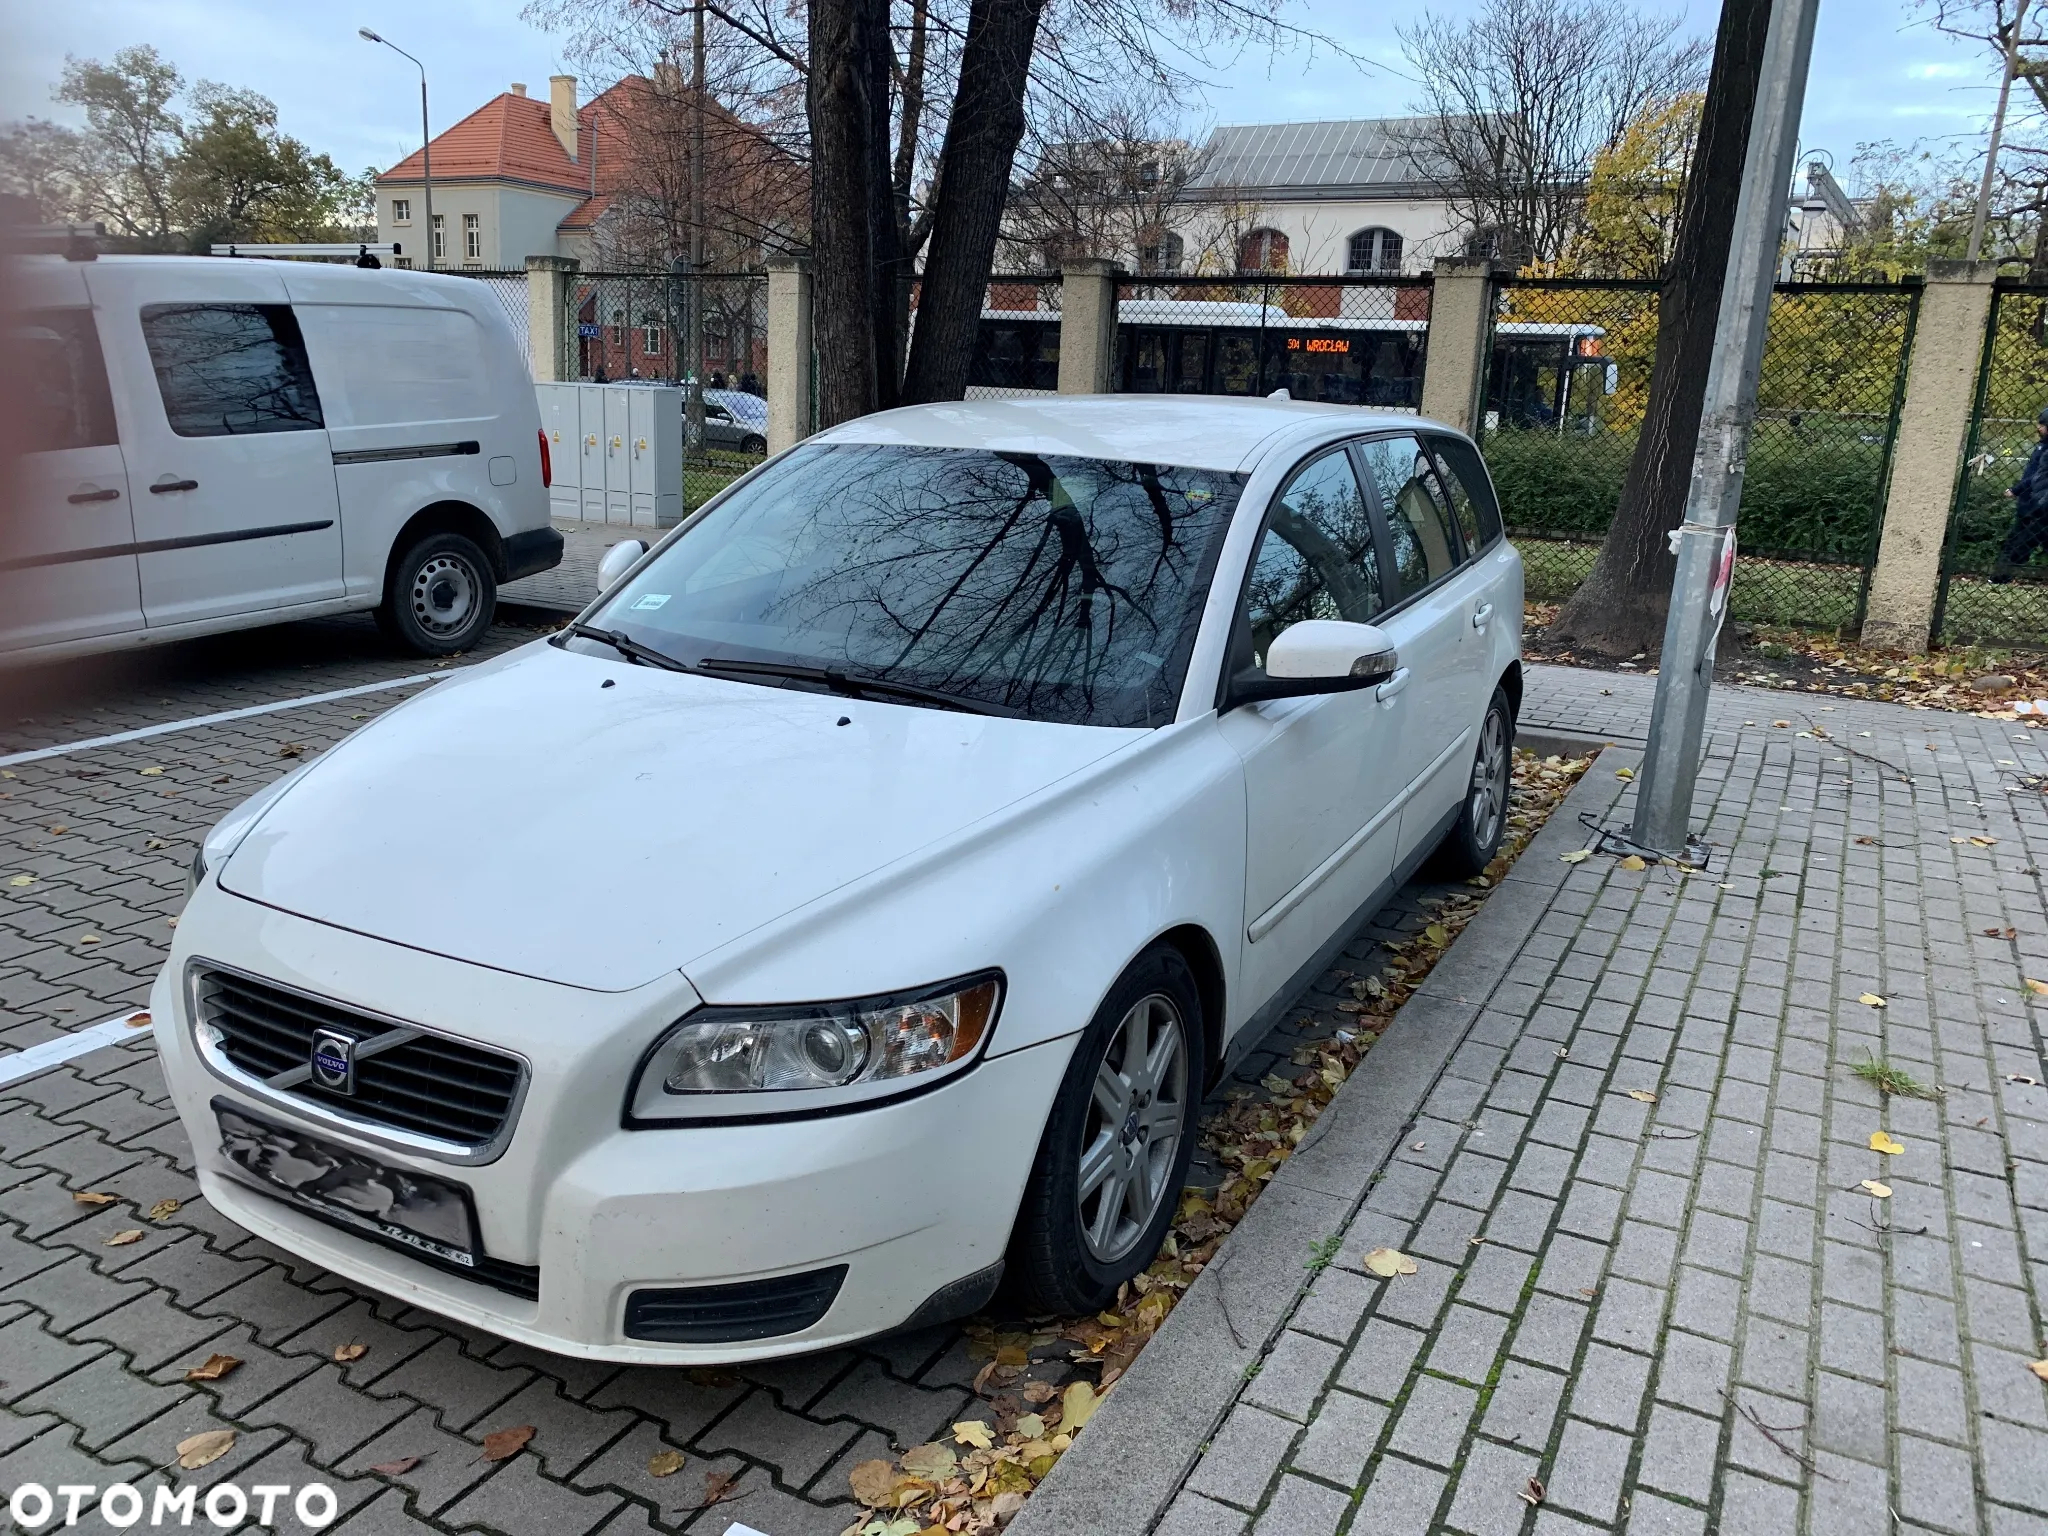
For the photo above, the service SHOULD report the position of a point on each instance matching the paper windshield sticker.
(649, 600)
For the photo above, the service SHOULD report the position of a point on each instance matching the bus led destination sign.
(1318, 344)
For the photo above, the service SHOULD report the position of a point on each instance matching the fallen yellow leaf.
(668, 1463)
(1624, 773)
(123, 1239)
(2039, 1368)
(163, 1210)
(213, 1368)
(2040, 987)
(935, 1462)
(1634, 861)
(874, 1483)
(1077, 1405)
(1881, 1190)
(1983, 842)
(204, 1449)
(1576, 856)
(1389, 1262)
(1879, 1142)
(343, 1353)
(93, 1197)
(973, 1432)
(1642, 1096)
(1871, 1000)
(23, 880)
(149, 773)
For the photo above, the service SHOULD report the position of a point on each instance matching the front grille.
(427, 1084)
(728, 1314)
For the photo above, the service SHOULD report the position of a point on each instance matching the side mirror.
(618, 560)
(1318, 656)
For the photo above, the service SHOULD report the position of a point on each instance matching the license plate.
(421, 1212)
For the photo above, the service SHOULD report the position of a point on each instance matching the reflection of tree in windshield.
(229, 369)
(1318, 560)
(1065, 588)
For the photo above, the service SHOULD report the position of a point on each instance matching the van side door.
(67, 553)
(235, 503)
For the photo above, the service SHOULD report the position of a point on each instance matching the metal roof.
(1362, 154)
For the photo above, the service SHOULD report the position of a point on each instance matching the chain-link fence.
(1017, 348)
(628, 327)
(1566, 393)
(1994, 570)
(1339, 340)
(510, 290)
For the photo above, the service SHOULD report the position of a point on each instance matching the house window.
(401, 210)
(1263, 250)
(1159, 251)
(403, 263)
(472, 237)
(440, 237)
(1148, 175)
(650, 336)
(1374, 250)
(618, 327)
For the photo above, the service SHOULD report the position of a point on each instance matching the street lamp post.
(426, 140)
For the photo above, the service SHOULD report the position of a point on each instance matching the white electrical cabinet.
(616, 452)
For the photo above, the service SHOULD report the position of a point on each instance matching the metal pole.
(1705, 540)
(426, 136)
(696, 305)
(2012, 61)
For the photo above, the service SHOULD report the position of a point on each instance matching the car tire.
(1473, 841)
(1074, 1245)
(753, 442)
(440, 597)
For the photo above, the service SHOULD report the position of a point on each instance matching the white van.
(223, 443)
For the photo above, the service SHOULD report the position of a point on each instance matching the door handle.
(162, 486)
(1391, 689)
(1481, 614)
(80, 498)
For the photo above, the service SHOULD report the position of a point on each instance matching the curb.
(1119, 1477)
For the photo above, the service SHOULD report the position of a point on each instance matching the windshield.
(1063, 589)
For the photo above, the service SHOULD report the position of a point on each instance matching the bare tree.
(1114, 184)
(2019, 203)
(1517, 101)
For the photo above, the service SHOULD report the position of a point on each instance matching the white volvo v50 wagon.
(215, 444)
(852, 907)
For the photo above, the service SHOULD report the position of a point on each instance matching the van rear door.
(67, 562)
(235, 506)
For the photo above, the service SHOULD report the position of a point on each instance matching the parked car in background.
(724, 429)
(941, 810)
(226, 443)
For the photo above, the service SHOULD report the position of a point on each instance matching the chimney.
(562, 110)
(518, 87)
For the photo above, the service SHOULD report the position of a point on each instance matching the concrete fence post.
(790, 358)
(1460, 341)
(1934, 425)
(547, 317)
(1087, 326)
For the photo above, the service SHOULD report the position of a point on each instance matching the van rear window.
(228, 370)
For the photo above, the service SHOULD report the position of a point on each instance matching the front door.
(235, 503)
(67, 557)
(1321, 773)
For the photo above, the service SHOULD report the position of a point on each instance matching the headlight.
(720, 1063)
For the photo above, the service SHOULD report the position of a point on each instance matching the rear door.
(1432, 630)
(67, 555)
(235, 504)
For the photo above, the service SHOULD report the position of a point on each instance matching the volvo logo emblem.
(333, 1060)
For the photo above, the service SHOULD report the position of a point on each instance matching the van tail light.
(547, 465)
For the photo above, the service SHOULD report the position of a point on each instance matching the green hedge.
(1805, 497)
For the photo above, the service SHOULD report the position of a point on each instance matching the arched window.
(1159, 250)
(1263, 250)
(1374, 250)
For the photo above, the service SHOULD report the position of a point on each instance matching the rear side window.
(68, 402)
(1318, 559)
(383, 365)
(231, 370)
(1471, 491)
(1418, 513)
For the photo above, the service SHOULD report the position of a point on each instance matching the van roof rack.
(363, 253)
(74, 242)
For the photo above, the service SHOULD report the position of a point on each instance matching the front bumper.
(909, 1196)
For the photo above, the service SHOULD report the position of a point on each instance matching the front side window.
(1418, 513)
(1059, 588)
(58, 353)
(229, 370)
(1318, 559)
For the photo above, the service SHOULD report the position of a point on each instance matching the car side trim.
(1270, 919)
(158, 546)
(417, 451)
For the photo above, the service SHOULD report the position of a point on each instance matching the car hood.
(600, 824)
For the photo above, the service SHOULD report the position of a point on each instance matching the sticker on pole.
(1724, 578)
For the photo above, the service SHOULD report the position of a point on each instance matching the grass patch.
(1891, 1081)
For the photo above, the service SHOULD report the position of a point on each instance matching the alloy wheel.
(1136, 1118)
(1490, 774)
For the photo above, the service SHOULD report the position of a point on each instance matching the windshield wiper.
(630, 648)
(855, 684)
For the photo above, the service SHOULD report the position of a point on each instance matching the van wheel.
(754, 443)
(1117, 1143)
(1471, 844)
(441, 596)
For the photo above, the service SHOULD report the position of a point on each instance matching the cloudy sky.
(1877, 72)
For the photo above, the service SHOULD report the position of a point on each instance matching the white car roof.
(1223, 432)
(341, 282)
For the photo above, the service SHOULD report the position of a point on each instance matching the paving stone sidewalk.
(1686, 1314)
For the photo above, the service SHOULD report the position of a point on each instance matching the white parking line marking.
(145, 732)
(51, 1053)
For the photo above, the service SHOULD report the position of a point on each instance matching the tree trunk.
(973, 182)
(854, 261)
(1619, 609)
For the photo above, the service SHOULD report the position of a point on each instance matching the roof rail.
(363, 253)
(74, 242)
